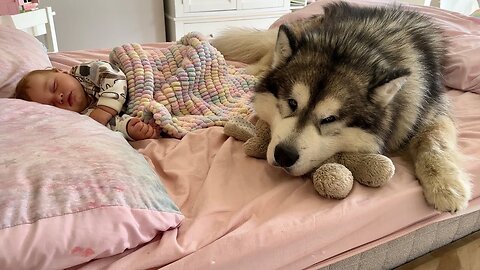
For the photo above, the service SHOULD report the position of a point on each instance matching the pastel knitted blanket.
(184, 87)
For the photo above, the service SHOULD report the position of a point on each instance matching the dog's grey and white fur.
(355, 79)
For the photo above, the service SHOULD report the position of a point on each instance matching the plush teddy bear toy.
(334, 177)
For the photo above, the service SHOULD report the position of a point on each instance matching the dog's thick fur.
(356, 79)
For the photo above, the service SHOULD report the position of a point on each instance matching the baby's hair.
(23, 84)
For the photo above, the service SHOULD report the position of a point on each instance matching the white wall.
(463, 6)
(89, 24)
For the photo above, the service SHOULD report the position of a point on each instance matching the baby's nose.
(60, 98)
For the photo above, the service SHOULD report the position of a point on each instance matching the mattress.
(403, 249)
(241, 213)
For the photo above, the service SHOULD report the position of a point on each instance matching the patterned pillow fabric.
(72, 190)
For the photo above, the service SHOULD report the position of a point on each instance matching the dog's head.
(318, 102)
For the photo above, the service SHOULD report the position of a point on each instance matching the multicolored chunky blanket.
(184, 87)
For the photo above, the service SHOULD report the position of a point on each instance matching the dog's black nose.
(285, 155)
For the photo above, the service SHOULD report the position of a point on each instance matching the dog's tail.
(246, 45)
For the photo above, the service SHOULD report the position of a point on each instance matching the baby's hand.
(138, 130)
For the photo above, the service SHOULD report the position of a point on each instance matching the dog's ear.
(286, 45)
(385, 86)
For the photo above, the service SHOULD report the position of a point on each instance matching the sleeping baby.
(97, 89)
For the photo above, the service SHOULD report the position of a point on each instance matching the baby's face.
(58, 89)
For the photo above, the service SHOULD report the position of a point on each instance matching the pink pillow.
(72, 190)
(19, 54)
(462, 71)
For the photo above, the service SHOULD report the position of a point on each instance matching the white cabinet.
(252, 4)
(209, 17)
(208, 5)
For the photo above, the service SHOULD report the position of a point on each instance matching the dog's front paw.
(448, 195)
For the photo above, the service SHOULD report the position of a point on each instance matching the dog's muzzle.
(285, 155)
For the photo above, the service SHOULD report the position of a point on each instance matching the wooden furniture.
(38, 22)
(210, 17)
(461, 254)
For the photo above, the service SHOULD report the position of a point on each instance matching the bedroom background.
(77, 24)
(110, 23)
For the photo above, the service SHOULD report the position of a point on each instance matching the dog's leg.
(435, 157)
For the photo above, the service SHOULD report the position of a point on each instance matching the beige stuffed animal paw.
(239, 129)
(256, 137)
(334, 178)
(257, 145)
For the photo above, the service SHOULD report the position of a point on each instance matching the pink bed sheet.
(241, 213)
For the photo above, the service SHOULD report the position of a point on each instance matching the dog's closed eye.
(328, 120)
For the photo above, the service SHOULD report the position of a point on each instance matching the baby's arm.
(102, 114)
(132, 128)
(113, 86)
(107, 83)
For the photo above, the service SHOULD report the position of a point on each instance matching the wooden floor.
(463, 254)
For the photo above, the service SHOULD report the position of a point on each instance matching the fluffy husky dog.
(355, 79)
